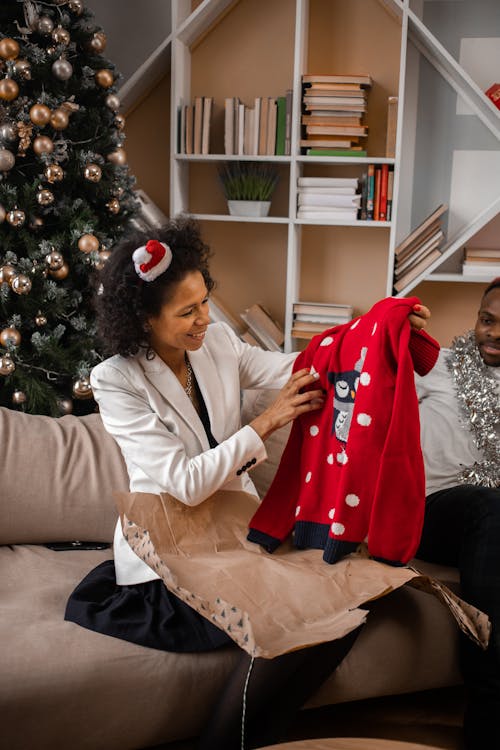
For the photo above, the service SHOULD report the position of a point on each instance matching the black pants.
(462, 528)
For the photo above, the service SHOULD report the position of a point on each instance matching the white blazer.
(162, 439)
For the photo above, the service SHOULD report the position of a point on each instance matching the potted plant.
(248, 186)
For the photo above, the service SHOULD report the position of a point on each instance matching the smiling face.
(182, 321)
(487, 328)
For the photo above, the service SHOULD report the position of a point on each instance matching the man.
(460, 425)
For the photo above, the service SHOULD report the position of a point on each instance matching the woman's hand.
(291, 402)
(419, 317)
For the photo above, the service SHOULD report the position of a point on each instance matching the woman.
(170, 396)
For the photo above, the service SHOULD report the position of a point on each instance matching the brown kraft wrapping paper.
(268, 604)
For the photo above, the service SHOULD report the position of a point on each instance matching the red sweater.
(354, 471)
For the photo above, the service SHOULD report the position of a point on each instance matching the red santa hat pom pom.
(151, 259)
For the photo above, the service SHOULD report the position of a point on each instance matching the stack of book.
(194, 121)
(262, 329)
(218, 312)
(311, 318)
(421, 248)
(333, 107)
(330, 198)
(481, 261)
(263, 129)
(376, 193)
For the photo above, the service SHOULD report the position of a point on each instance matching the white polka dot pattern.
(364, 420)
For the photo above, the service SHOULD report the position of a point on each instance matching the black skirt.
(145, 613)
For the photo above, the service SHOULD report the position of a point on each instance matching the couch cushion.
(58, 478)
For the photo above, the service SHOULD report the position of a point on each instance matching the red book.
(384, 178)
(494, 94)
(376, 199)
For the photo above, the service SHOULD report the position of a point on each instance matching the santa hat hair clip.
(152, 259)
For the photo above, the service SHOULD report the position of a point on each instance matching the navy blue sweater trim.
(270, 543)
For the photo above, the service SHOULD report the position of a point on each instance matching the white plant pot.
(249, 208)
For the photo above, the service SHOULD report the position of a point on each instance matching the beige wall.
(342, 264)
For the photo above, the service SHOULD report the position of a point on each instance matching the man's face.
(487, 328)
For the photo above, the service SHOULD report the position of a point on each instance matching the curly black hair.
(124, 302)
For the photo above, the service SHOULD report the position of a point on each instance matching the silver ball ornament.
(19, 397)
(7, 160)
(113, 102)
(23, 69)
(62, 69)
(21, 284)
(8, 132)
(65, 405)
(45, 25)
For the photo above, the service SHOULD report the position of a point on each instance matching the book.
(218, 312)
(376, 196)
(489, 271)
(493, 93)
(384, 179)
(329, 118)
(240, 133)
(248, 131)
(327, 182)
(429, 233)
(205, 128)
(149, 214)
(392, 120)
(335, 152)
(326, 199)
(280, 126)
(189, 129)
(322, 307)
(319, 325)
(272, 115)
(422, 227)
(370, 191)
(326, 143)
(327, 190)
(263, 327)
(362, 79)
(229, 106)
(390, 190)
(483, 261)
(327, 213)
(417, 269)
(351, 102)
(250, 339)
(288, 122)
(264, 108)
(359, 130)
(485, 252)
(415, 257)
(339, 111)
(198, 124)
(256, 125)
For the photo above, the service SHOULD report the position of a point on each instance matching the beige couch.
(62, 686)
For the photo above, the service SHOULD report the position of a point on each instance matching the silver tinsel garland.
(479, 407)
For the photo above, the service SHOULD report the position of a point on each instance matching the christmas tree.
(65, 199)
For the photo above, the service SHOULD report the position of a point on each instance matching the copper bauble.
(65, 405)
(23, 69)
(113, 206)
(118, 157)
(113, 102)
(45, 197)
(43, 145)
(101, 260)
(36, 222)
(7, 366)
(21, 284)
(104, 78)
(61, 273)
(82, 388)
(62, 69)
(9, 48)
(7, 273)
(98, 42)
(76, 6)
(45, 25)
(120, 122)
(16, 217)
(54, 173)
(7, 160)
(19, 397)
(92, 172)
(59, 119)
(40, 320)
(10, 336)
(3, 214)
(88, 243)
(40, 114)
(60, 35)
(54, 260)
(8, 89)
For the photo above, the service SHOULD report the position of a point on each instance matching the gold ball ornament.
(104, 78)
(54, 173)
(23, 69)
(7, 273)
(40, 114)
(3, 214)
(59, 119)
(16, 217)
(101, 260)
(120, 122)
(54, 260)
(43, 145)
(45, 25)
(113, 206)
(76, 6)
(9, 48)
(65, 405)
(82, 388)
(118, 157)
(40, 320)
(62, 69)
(10, 336)
(19, 397)
(8, 89)
(7, 160)
(60, 35)
(21, 284)
(45, 197)
(88, 243)
(60, 273)
(92, 172)
(97, 43)
(7, 366)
